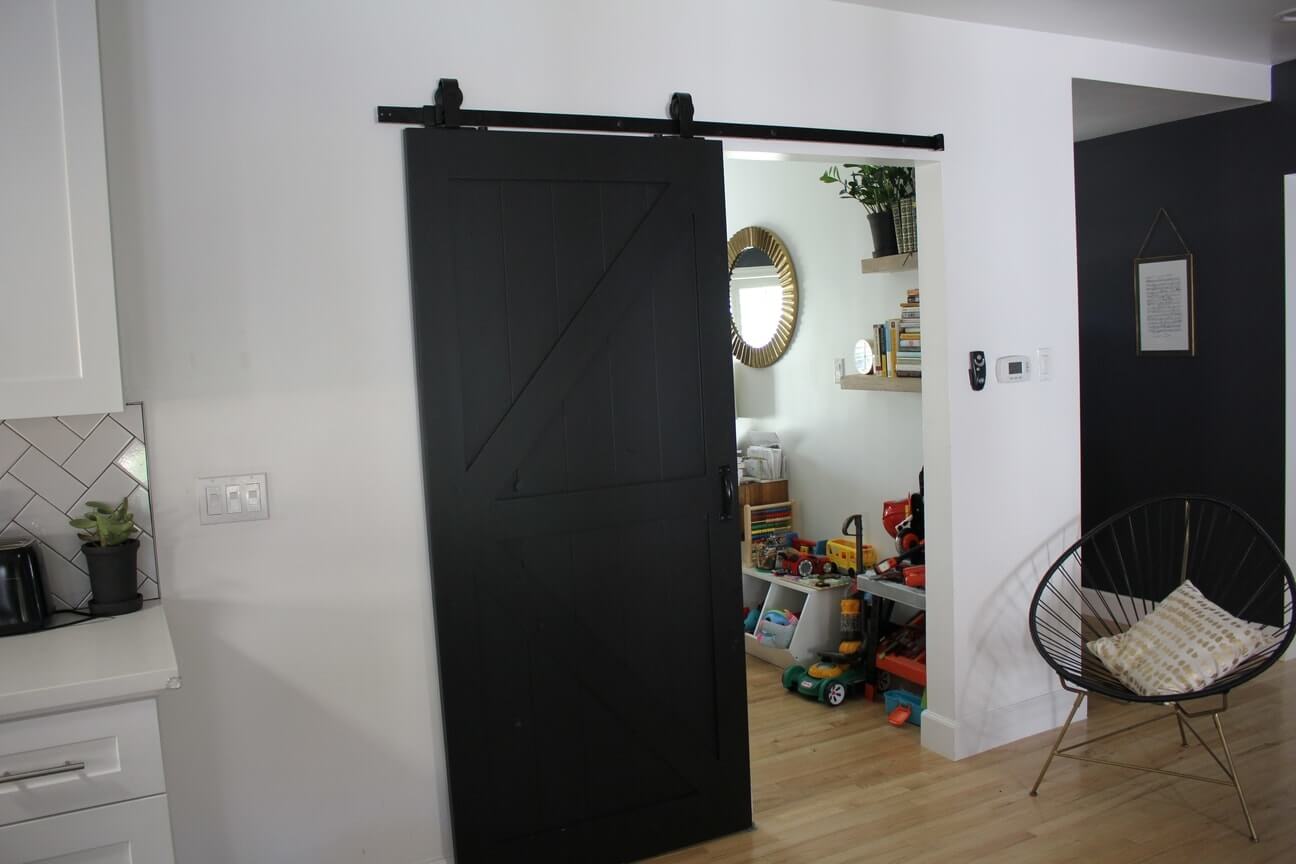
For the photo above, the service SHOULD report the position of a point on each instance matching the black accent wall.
(1213, 423)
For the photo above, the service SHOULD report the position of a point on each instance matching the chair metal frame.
(1060, 639)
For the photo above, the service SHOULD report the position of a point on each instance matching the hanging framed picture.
(1165, 307)
(1164, 300)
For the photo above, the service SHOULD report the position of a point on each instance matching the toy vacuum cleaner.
(838, 672)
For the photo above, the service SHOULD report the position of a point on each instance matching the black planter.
(884, 237)
(112, 578)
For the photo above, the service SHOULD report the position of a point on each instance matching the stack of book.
(899, 342)
(909, 338)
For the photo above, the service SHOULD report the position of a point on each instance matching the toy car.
(804, 564)
(830, 691)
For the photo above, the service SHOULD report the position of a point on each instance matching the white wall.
(258, 220)
(847, 451)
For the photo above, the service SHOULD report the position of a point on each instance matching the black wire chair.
(1119, 571)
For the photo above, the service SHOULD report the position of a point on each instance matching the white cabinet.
(84, 787)
(58, 310)
(133, 832)
(79, 759)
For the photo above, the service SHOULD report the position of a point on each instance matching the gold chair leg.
(1075, 706)
(1233, 775)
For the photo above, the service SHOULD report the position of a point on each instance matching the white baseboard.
(968, 736)
(939, 734)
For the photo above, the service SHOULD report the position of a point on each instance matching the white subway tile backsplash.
(113, 485)
(103, 446)
(12, 445)
(47, 479)
(141, 509)
(62, 579)
(14, 531)
(132, 419)
(147, 562)
(81, 424)
(50, 467)
(13, 498)
(50, 524)
(134, 462)
(49, 435)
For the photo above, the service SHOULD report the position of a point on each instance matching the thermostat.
(1013, 368)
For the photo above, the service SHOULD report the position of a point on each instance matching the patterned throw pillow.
(1180, 647)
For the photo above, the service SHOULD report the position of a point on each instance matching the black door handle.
(727, 493)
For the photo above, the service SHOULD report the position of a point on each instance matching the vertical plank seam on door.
(698, 289)
(607, 355)
(661, 447)
(559, 329)
(508, 331)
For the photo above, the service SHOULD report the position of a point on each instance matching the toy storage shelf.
(881, 382)
(890, 263)
(818, 610)
(915, 598)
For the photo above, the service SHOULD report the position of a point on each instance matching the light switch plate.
(232, 498)
(1044, 362)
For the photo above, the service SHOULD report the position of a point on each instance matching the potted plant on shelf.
(880, 188)
(110, 544)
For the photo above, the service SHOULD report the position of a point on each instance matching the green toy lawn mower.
(832, 691)
(838, 672)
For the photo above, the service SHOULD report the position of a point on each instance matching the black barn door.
(571, 329)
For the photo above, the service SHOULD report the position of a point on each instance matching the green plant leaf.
(82, 524)
(99, 506)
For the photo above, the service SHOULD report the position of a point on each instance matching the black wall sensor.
(977, 369)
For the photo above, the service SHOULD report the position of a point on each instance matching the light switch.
(215, 502)
(233, 498)
(1044, 360)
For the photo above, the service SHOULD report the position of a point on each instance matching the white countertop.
(101, 660)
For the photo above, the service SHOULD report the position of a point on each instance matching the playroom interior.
(826, 300)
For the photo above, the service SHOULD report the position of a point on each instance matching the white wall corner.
(998, 726)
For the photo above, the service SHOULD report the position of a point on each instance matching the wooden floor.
(840, 785)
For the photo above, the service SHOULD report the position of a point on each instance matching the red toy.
(804, 564)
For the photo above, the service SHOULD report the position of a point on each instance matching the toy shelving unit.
(914, 671)
(818, 611)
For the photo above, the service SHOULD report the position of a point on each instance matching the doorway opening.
(846, 419)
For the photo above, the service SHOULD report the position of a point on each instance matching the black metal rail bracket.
(447, 112)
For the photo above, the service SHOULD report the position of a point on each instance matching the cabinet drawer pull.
(65, 768)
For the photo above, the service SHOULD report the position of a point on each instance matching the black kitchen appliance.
(23, 606)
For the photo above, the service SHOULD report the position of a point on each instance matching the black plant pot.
(112, 578)
(884, 237)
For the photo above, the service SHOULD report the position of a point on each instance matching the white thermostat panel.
(1013, 368)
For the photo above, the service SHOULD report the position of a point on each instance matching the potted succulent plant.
(110, 544)
(880, 188)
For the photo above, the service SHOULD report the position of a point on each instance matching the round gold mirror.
(763, 299)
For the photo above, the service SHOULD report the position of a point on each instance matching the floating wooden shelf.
(881, 382)
(890, 263)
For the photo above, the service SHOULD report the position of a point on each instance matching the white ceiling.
(1236, 29)
(1102, 108)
